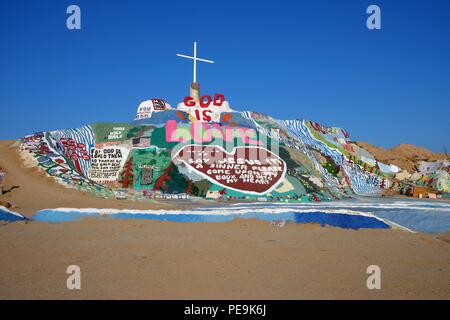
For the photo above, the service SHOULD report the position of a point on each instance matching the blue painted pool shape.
(358, 213)
(346, 221)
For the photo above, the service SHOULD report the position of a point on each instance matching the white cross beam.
(195, 60)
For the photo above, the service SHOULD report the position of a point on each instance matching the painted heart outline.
(246, 174)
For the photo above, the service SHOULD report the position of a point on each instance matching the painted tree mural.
(127, 175)
(172, 181)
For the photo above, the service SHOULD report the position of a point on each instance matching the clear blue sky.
(299, 59)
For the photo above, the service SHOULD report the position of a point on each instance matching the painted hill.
(204, 148)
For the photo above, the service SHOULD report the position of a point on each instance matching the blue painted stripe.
(347, 221)
(6, 215)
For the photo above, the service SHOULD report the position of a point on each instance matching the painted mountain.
(206, 149)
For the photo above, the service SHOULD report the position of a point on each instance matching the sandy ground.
(142, 259)
(243, 259)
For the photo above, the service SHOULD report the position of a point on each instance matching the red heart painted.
(251, 169)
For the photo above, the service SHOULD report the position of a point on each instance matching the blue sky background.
(298, 59)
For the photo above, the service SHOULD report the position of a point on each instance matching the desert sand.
(243, 259)
(405, 156)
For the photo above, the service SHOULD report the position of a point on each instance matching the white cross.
(195, 60)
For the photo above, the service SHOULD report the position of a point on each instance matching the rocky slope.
(405, 156)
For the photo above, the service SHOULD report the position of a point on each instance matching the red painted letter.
(219, 99)
(206, 115)
(203, 103)
(189, 101)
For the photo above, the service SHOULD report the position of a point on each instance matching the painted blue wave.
(345, 221)
(363, 212)
(7, 215)
(428, 216)
(348, 221)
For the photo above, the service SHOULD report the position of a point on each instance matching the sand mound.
(405, 156)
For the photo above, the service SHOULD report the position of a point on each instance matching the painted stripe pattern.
(83, 135)
(362, 183)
